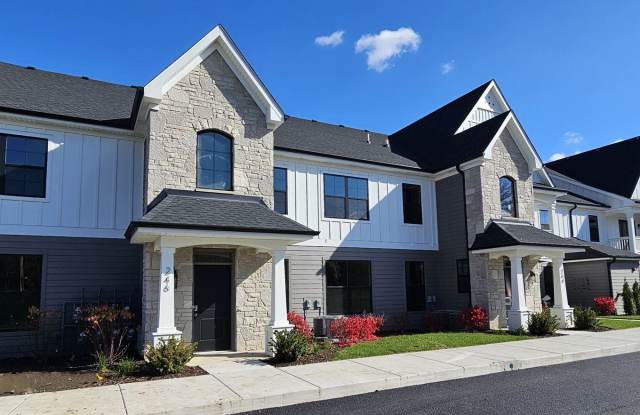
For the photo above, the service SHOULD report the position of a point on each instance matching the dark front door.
(212, 312)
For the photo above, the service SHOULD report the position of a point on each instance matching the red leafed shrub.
(355, 329)
(474, 318)
(108, 328)
(605, 306)
(299, 324)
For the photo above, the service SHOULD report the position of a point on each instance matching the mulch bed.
(21, 376)
(324, 355)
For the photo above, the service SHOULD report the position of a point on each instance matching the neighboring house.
(199, 203)
(595, 197)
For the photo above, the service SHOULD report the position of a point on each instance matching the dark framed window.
(411, 203)
(348, 287)
(415, 285)
(594, 231)
(464, 282)
(346, 197)
(544, 219)
(214, 161)
(23, 166)
(280, 190)
(623, 228)
(508, 196)
(20, 284)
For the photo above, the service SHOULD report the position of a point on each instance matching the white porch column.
(631, 223)
(278, 297)
(518, 316)
(166, 309)
(561, 307)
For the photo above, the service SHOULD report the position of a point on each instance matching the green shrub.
(627, 299)
(288, 346)
(126, 366)
(102, 362)
(585, 318)
(636, 296)
(543, 323)
(170, 356)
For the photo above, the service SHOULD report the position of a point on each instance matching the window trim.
(4, 134)
(514, 196)
(286, 189)
(404, 212)
(231, 160)
(458, 275)
(596, 221)
(406, 286)
(326, 291)
(346, 197)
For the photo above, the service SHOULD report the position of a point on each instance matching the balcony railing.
(623, 243)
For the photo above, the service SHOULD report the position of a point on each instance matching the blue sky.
(569, 69)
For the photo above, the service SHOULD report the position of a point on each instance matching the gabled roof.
(313, 137)
(614, 168)
(501, 234)
(217, 39)
(594, 250)
(183, 209)
(570, 197)
(30, 91)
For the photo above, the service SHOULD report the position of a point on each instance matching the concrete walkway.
(240, 383)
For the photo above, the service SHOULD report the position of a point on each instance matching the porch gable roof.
(508, 233)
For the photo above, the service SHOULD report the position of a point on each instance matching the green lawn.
(422, 342)
(617, 323)
(635, 317)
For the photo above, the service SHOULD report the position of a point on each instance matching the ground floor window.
(20, 284)
(348, 287)
(464, 282)
(415, 285)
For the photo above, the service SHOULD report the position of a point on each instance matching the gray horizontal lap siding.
(585, 281)
(622, 271)
(75, 270)
(307, 281)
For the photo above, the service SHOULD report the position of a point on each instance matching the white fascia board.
(216, 39)
(527, 250)
(625, 200)
(572, 261)
(492, 87)
(452, 171)
(521, 140)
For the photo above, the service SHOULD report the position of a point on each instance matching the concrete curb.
(251, 387)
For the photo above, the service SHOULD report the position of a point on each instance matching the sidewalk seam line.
(226, 386)
(464, 370)
(378, 369)
(18, 405)
(124, 404)
(299, 378)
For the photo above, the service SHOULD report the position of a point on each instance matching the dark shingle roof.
(313, 137)
(503, 234)
(215, 211)
(571, 197)
(55, 95)
(614, 168)
(596, 250)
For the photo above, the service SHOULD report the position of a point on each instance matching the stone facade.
(210, 97)
(483, 204)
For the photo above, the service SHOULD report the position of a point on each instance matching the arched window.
(214, 161)
(508, 196)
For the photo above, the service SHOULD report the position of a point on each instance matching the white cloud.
(447, 67)
(334, 39)
(572, 137)
(381, 48)
(557, 156)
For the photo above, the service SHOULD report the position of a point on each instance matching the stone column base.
(271, 331)
(565, 315)
(165, 334)
(517, 319)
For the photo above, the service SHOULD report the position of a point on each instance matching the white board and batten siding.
(94, 186)
(385, 227)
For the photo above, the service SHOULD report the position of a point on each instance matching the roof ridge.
(335, 125)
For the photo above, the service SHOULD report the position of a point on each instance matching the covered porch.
(623, 225)
(214, 270)
(523, 269)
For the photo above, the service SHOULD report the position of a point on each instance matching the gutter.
(575, 206)
(466, 226)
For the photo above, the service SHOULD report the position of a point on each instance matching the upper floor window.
(346, 197)
(214, 161)
(280, 190)
(24, 166)
(508, 196)
(544, 219)
(594, 232)
(411, 203)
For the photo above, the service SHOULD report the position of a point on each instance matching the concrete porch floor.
(243, 382)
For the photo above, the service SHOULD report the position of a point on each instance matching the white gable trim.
(492, 87)
(216, 39)
(513, 126)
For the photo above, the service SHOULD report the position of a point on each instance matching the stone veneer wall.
(483, 204)
(210, 97)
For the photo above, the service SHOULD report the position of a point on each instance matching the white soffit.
(216, 39)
